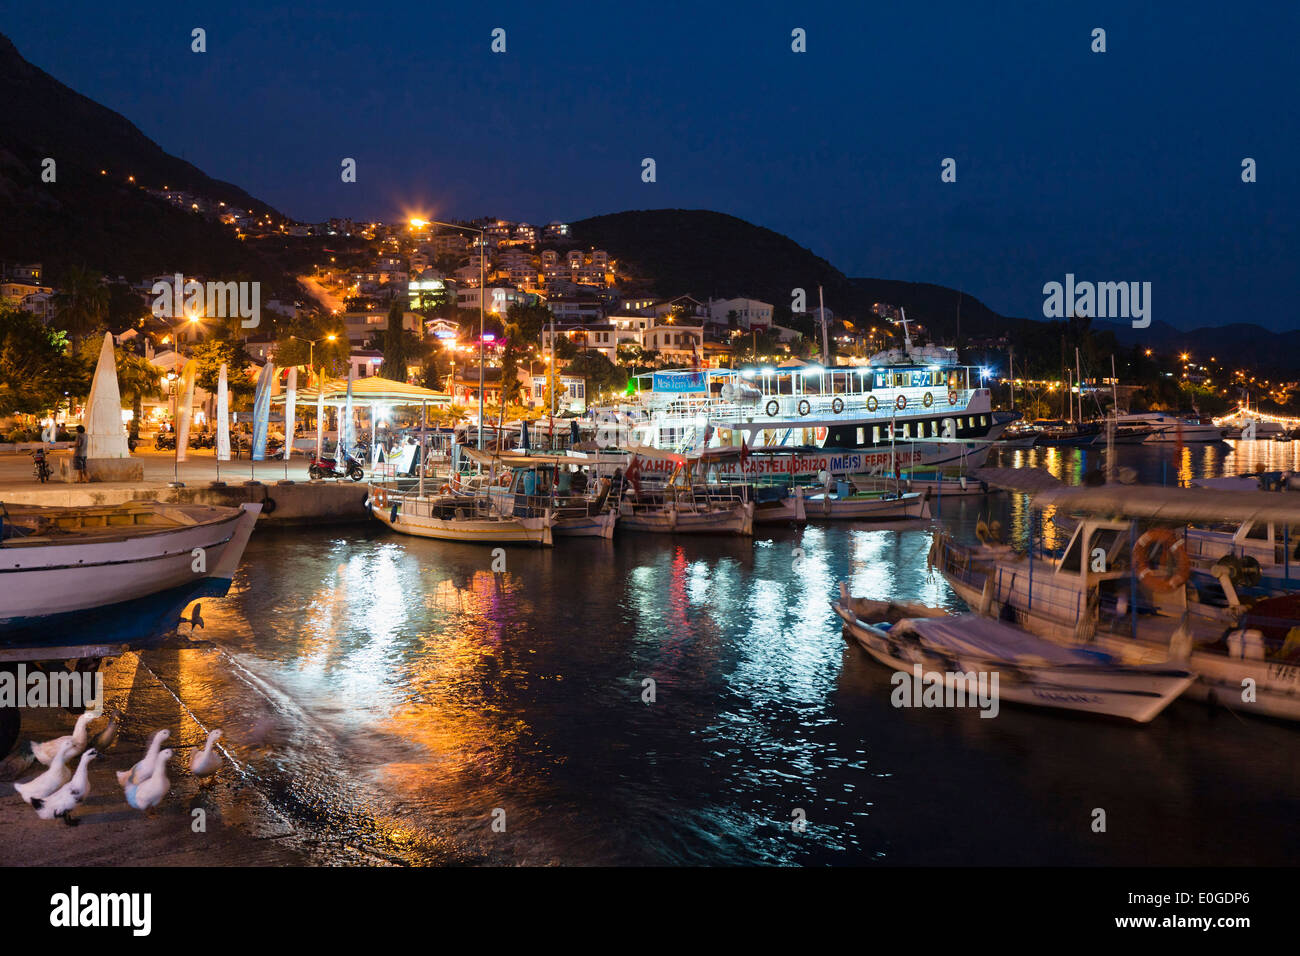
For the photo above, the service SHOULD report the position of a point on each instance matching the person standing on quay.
(79, 455)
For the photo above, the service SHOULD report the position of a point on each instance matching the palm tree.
(82, 303)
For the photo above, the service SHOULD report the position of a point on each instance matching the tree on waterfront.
(34, 364)
(599, 373)
(81, 304)
(209, 356)
(395, 345)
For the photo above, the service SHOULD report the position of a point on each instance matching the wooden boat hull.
(864, 508)
(45, 576)
(1138, 694)
(404, 518)
(587, 526)
(1219, 677)
(738, 519)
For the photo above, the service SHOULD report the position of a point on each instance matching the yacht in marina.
(914, 407)
(1162, 427)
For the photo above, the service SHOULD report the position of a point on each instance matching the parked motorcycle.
(328, 468)
(164, 441)
(41, 466)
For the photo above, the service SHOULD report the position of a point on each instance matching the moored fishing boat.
(455, 518)
(1126, 591)
(565, 486)
(847, 503)
(58, 563)
(966, 651)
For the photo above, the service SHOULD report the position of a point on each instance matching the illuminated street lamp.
(311, 350)
(482, 250)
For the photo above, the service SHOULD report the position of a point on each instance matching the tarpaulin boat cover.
(971, 634)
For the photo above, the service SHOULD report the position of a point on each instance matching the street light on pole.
(482, 249)
(311, 347)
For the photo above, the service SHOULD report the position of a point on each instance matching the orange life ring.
(504, 481)
(444, 489)
(872, 404)
(952, 396)
(380, 497)
(1176, 553)
(901, 402)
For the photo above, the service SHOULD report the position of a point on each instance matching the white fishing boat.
(455, 518)
(530, 486)
(1126, 590)
(69, 561)
(686, 511)
(847, 503)
(966, 651)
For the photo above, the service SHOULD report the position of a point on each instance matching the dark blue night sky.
(1117, 166)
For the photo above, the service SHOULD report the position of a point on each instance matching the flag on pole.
(184, 412)
(633, 473)
(320, 416)
(347, 433)
(262, 411)
(290, 409)
(223, 415)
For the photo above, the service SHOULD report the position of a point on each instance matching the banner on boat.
(795, 466)
(678, 381)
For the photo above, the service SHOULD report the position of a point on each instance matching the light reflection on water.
(431, 691)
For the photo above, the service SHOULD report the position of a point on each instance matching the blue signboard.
(679, 381)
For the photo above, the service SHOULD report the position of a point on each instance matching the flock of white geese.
(59, 790)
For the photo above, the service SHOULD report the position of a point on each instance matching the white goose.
(143, 769)
(80, 733)
(63, 801)
(147, 795)
(207, 761)
(54, 778)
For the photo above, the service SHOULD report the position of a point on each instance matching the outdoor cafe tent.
(372, 393)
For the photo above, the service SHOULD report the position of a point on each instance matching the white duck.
(80, 734)
(63, 801)
(108, 736)
(207, 761)
(150, 793)
(54, 778)
(143, 769)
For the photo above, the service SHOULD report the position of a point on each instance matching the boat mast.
(1078, 377)
(1011, 373)
(826, 346)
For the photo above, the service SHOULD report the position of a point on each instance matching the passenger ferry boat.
(914, 407)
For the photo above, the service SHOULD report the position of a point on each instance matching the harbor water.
(678, 700)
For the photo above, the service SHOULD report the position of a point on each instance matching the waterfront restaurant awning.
(370, 390)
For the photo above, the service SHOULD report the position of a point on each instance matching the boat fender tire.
(804, 406)
(872, 403)
(772, 408)
(392, 515)
(952, 396)
(901, 402)
(928, 400)
(268, 505)
(1177, 552)
(837, 405)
